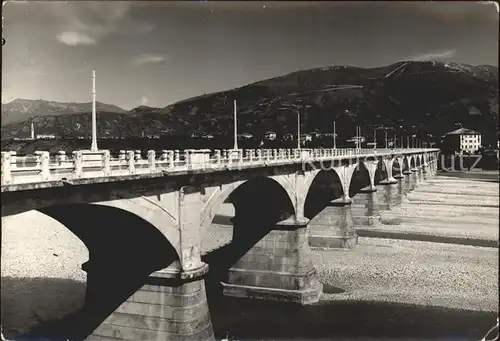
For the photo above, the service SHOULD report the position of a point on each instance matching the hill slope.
(412, 97)
(22, 109)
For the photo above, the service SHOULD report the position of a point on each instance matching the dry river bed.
(42, 279)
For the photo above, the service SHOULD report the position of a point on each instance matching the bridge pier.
(433, 168)
(387, 190)
(408, 182)
(364, 207)
(278, 267)
(333, 227)
(389, 201)
(425, 172)
(170, 305)
(415, 178)
(420, 174)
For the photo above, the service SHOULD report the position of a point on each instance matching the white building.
(45, 136)
(270, 135)
(465, 140)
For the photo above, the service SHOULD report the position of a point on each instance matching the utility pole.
(32, 130)
(357, 137)
(334, 136)
(395, 144)
(360, 138)
(93, 146)
(385, 131)
(235, 128)
(298, 129)
(407, 142)
(374, 138)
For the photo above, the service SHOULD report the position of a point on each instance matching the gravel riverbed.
(42, 277)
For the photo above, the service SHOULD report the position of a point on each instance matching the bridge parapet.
(85, 164)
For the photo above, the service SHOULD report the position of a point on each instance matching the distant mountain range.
(411, 97)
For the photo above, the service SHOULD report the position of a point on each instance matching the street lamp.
(334, 136)
(298, 129)
(93, 146)
(294, 107)
(235, 146)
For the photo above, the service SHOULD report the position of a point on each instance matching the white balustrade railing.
(43, 167)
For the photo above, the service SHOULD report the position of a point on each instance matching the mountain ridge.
(407, 95)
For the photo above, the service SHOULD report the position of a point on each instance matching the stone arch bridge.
(143, 220)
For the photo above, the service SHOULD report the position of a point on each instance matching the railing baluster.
(152, 161)
(131, 161)
(106, 162)
(88, 164)
(78, 160)
(6, 168)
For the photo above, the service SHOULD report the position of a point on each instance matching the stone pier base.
(425, 173)
(278, 267)
(165, 308)
(409, 183)
(333, 227)
(387, 193)
(364, 207)
(415, 178)
(420, 175)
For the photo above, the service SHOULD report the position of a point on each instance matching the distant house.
(306, 137)
(45, 136)
(245, 136)
(270, 135)
(462, 140)
(207, 136)
(353, 139)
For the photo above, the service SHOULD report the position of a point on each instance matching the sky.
(157, 53)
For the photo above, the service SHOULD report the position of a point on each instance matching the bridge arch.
(110, 233)
(324, 187)
(411, 161)
(149, 209)
(259, 204)
(398, 165)
(123, 250)
(418, 160)
(275, 188)
(381, 172)
(361, 178)
(406, 164)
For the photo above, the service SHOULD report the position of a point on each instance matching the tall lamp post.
(235, 146)
(298, 129)
(93, 146)
(334, 136)
(295, 108)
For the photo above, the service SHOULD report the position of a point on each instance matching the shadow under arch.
(418, 162)
(360, 179)
(124, 250)
(411, 161)
(397, 166)
(259, 204)
(380, 173)
(325, 188)
(406, 164)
